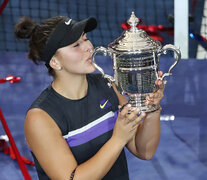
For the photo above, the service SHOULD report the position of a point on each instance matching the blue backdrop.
(181, 153)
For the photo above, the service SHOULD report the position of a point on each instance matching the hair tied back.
(35, 27)
(25, 27)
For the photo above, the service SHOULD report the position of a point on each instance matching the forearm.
(148, 135)
(98, 166)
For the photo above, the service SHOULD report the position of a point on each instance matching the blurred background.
(111, 14)
(183, 145)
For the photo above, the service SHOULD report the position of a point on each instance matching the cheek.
(72, 58)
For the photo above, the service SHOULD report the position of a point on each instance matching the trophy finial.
(133, 21)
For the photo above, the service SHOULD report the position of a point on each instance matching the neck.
(73, 87)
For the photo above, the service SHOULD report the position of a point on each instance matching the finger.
(149, 99)
(150, 96)
(158, 98)
(125, 110)
(158, 95)
(160, 84)
(160, 88)
(157, 81)
(149, 102)
(138, 119)
(122, 107)
(160, 73)
(134, 128)
(133, 115)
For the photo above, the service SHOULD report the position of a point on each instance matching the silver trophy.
(135, 58)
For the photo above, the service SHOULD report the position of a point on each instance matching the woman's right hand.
(126, 124)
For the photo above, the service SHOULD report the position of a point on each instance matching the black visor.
(67, 32)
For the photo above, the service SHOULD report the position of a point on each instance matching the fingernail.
(137, 109)
(138, 120)
(133, 109)
(129, 105)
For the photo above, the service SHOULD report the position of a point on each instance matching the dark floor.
(181, 153)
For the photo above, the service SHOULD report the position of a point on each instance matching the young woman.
(74, 128)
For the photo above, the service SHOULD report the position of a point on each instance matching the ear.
(55, 64)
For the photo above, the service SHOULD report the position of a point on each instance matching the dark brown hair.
(38, 34)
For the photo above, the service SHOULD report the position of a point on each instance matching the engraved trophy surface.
(135, 58)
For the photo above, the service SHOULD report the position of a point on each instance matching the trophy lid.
(134, 40)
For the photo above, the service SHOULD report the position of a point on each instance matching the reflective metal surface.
(134, 40)
(136, 62)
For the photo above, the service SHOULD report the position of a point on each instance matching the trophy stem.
(138, 100)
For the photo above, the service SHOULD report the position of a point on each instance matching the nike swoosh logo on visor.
(68, 22)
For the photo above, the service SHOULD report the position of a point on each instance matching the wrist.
(154, 113)
(157, 110)
(117, 141)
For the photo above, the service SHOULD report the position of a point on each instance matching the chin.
(91, 69)
(88, 68)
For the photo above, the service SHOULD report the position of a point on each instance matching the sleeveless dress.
(86, 124)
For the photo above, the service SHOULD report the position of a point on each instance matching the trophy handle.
(105, 52)
(177, 59)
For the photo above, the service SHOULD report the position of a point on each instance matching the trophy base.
(138, 101)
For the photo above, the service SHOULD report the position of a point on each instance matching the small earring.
(59, 68)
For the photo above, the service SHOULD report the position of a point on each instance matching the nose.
(89, 46)
(90, 50)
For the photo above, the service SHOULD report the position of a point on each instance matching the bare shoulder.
(36, 113)
(45, 139)
(39, 123)
(40, 129)
(38, 117)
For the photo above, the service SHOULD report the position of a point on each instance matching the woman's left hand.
(156, 97)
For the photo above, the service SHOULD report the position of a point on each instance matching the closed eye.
(76, 45)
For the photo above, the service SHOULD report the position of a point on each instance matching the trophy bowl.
(135, 58)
